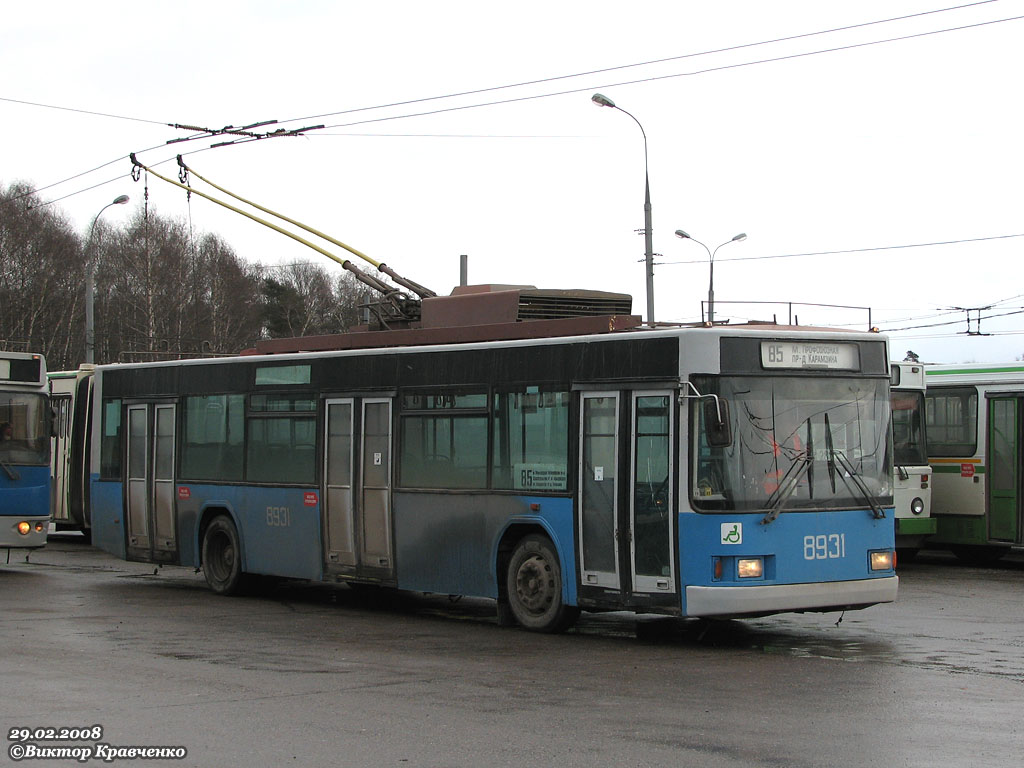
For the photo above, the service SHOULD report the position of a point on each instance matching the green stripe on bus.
(954, 469)
(916, 526)
(958, 371)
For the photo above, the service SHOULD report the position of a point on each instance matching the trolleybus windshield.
(24, 438)
(796, 443)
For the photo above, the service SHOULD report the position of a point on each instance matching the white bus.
(70, 393)
(911, 472)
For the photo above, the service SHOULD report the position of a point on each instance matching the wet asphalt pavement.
(324, 675)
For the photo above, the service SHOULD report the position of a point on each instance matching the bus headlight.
(882, 561)
(917, 506)
(750, 568)
(24, 528)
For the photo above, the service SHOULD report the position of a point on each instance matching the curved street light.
(604, 101)
(711, 262)
(90, 283)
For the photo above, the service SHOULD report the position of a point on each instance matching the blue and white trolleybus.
(552, 465)
(24, 451)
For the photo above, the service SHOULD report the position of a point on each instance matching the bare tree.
(228, 302)
(41, 278)
(160, 292)
(299, 300)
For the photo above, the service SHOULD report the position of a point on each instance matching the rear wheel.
(222, 557)
(534, 584)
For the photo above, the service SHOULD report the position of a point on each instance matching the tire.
(534, 585)
(222, 557)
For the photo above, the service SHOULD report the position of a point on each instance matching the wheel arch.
(207, 514)
(515, 532)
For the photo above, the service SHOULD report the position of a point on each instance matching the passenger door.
(599, 489)
(339, 504)
(626, 529)
(1004, 469)
(651, 493)
(357, 488)
(150, 482)
(60, 459)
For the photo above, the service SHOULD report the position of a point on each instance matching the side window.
(444, 440)
(952, 421)
(110, 441)
(530, 440)
(282, 439)
(212, 446)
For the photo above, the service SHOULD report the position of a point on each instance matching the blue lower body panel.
(447, 543)
(279, 528)
(24, 498)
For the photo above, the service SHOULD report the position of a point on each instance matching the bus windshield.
(796, 443)
(909, 447)
(24, 438)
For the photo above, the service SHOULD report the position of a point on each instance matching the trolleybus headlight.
(24, 528)
(882, 561)
(39, 527)
(917, 506)
(751, 568)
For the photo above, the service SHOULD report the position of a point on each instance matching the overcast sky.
(848, 145)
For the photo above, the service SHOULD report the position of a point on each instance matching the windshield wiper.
(830, 452)
(838, 457)
(11, 473)
(810, 459)
(787, 487)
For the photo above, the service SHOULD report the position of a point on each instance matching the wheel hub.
(534, 585)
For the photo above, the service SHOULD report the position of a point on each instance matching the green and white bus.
(912, 491)
(974, 423)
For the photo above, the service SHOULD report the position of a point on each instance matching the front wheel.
(222, 557)
(534, 582)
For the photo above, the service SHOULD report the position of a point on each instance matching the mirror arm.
(697, 394)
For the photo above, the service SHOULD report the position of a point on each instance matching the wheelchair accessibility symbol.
(732, 533)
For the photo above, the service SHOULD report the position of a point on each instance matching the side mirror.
(717, 423)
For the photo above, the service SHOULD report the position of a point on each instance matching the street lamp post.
(604, 101)
(711, 264)
(90, 283)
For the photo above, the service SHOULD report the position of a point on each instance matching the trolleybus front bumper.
(782, 598)
(11, 537)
